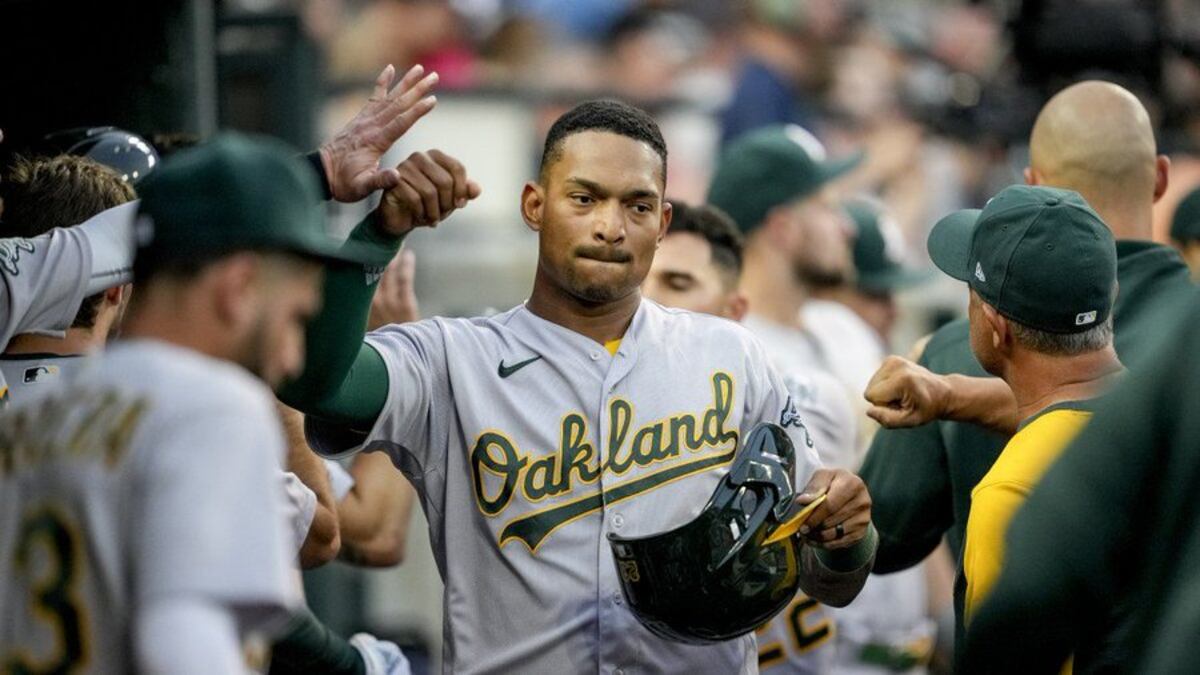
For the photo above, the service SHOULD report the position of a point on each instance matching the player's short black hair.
(713, 226)
(604, 115)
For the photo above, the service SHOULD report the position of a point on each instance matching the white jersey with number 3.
(152, 474)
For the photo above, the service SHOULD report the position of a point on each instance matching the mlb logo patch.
(39, 373)
(1085, 318)
(979, 272)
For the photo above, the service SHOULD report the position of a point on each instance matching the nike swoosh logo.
(505, 371)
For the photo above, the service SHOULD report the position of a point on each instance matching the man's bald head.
(1095, 138)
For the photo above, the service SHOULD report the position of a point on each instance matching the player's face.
(683, 275)
(276, 345)
(599, 214)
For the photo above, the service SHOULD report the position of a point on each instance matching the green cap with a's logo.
(232, 193)
(1185, 224)
(1041, 256)
(770, 167)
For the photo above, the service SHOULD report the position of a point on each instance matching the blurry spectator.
(853, 322)
(782, 69)
(1185, 231)
(403, 33)
(576, 19)
(646, 52)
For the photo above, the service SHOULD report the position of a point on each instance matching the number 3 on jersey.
(53, 598)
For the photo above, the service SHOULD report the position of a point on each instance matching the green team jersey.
(1115, 517)
(921, 479)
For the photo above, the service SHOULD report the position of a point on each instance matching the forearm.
(834, 577)
(986, 401)
(335, 349)
(308, 646)
(185, 636)
(323, 540)
(376, 513)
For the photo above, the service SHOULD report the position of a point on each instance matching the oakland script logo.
(577, 463)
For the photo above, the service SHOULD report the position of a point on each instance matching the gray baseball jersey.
(528, 443)
(46, 278)
(800, 639)
(31, 374)
(151, 474)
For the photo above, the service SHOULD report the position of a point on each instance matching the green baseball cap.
(1041, 256)
(1185, 224)
(769, 167)
(232, 193)
(878, 269)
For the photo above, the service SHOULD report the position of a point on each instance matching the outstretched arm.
(905, 394)
(344, 380)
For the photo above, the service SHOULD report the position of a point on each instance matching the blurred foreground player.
(1117, 513)
(140, 526)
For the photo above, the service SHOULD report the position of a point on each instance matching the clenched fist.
(432, 185)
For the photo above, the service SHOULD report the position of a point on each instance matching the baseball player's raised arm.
(345, 382)
(1091, 523)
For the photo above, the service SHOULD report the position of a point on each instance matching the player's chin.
(602, 286)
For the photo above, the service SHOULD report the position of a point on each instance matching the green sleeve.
(1102, 525)
(911, 502)
(344, 381)
(308, 646)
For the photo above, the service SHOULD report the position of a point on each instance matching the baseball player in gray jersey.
(140, 526)
(533, 434)
(46, 278)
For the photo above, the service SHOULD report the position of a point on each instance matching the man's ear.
(234, 289)
(1033, 176)
(533, 205)
(998, 327)
(668, 213)
(115, 295)
(737, 305)
(1162, 176)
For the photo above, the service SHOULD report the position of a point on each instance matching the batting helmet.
(130, 155)
(731, 568)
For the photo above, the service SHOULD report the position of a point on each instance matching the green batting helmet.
(723, 574)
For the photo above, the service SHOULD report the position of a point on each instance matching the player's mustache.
(604, 254)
